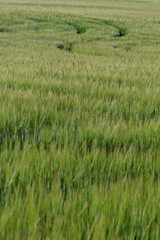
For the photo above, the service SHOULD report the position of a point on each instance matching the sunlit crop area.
(79, 120)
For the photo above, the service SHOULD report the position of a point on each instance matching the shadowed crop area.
(79, 120)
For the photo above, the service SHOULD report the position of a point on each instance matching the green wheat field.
(79, 120)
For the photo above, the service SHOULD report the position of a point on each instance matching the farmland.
(79, 120)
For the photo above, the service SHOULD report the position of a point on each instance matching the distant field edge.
(79, 1)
